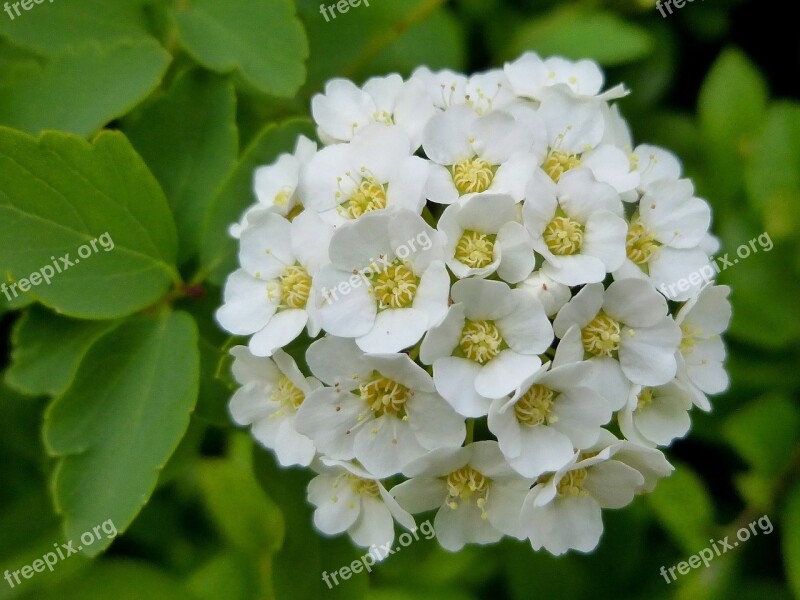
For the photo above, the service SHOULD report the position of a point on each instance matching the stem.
(470, 431)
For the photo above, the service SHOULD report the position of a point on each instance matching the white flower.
(375, 171)
(529, 75)
(664, 237)
(702, 352)
(349, 499)
(548, 291)
(627, 322)
(482, 92)
(483, 236)
(471, 154)
(344, 109)
(269, 295)
(552, 412)
(381, 409)
(486, 345)
(387, 284)
(272, 391)
(577, 225)
(563, 511)
(654, 416)
(478, 495)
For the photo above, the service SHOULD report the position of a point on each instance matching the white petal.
(282, 328)
(612, 484)
(455, 381)
(505, 373)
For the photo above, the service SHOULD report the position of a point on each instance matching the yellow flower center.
(382, 116)
(476, 250)
(535, 406)
(364, 487)
(465, 483)
(472, 175)
(287, 394)
(480, 341)
(396, 286)
(563, 236)
(644, 398)
(572, 483)
(369, 196)
(601, 337)
(558, 162)
(282, 197)
(640, 243)
(385, 396)
(689, 339)
(295, 287)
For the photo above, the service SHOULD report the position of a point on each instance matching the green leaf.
(229, 575)
(773, 170)
(683, 506)
(57, 194)
(188, 138)
(129, 580)
(56, 26)
(381, 38)
(262, 42)
(731, 108)
(83, 89)
(244, 514)
(120, 420)
(305, 553)
(236, 194)
(791, 539)
(576, 33)
(48, 349)
(764, 433)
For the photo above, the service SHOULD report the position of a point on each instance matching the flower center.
(295, 286)
(476, 250)
(472, 175)
(640, 243)
(282, 197)
(572, 483)
(480, 341)
(385, 396)
(396, 286)
(535, 406)
(559, 162)
(382, 116)
(364, 487)
(369, 196)
(287, 394)
(563, 236)
(689, 339)
(601, 336)
(465, 483)
(644, 398)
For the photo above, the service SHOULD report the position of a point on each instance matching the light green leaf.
(188, 138)
(262, 42)
(683, 506)
(731, 108)
(773, 170)
(57, 194)
(229, 575)
(236, 194)
(120, 420)
(53, 27)
(764, 433)
(790, 526)
(576, 33)
(244, 514)
(81, 90)
(48, 349)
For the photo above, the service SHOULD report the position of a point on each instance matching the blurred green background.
(205, 90)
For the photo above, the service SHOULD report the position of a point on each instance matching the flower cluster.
(475, 272)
